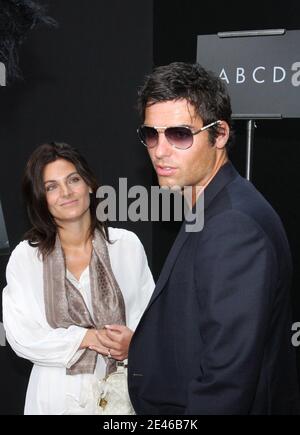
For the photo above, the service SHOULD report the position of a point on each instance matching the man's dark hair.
(202, 89)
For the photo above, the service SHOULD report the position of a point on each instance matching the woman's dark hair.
(44, 228)
(202, 89)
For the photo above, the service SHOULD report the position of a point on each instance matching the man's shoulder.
(245, 198)
(241, 196)
(239, 208)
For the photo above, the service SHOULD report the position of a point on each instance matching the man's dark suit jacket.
(216, 335)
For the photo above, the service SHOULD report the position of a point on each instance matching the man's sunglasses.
(179, 137)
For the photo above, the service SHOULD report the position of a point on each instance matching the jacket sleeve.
(236, 281)
(27, 330)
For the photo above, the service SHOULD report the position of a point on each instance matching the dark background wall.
(80, 87)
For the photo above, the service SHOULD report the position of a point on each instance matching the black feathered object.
(17, 18)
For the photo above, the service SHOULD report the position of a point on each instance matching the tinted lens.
(180, 137)
(149, 136)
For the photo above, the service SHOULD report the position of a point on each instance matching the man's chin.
(165, 182)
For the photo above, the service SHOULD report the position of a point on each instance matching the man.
(215, 337)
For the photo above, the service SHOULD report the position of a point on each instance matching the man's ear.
(223, 136)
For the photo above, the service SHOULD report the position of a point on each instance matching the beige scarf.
(65, 305)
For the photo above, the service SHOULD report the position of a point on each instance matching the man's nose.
(163, 147)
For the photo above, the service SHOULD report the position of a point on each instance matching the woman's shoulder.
(24, 252)
(128, 256)
(124, 242)
(120, 234)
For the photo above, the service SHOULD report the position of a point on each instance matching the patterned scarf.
(65, 305)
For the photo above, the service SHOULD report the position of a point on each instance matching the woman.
(75, 290)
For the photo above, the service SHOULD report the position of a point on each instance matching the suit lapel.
(225, 175)
(170, 261)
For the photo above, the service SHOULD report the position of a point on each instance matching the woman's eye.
(50, 187)
(74, 179)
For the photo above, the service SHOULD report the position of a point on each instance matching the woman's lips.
(69, 203)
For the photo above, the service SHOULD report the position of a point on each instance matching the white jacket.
(50, 390)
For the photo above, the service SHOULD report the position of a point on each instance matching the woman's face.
(67, 194)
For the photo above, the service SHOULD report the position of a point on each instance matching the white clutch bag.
(113, 397)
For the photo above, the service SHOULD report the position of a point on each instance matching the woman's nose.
(65, 189)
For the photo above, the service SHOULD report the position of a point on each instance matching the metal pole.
(250, 143)
(4, 244)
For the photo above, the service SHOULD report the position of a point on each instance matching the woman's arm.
(24, 319)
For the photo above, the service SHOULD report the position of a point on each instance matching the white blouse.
(50, 390)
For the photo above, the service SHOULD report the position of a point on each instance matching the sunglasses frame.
(163, 129)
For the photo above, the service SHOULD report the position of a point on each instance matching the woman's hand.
(91, 338)
(115, 339)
